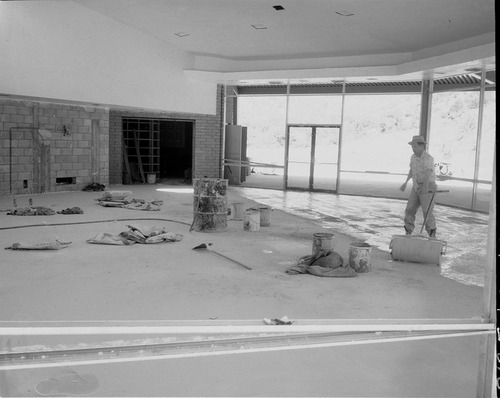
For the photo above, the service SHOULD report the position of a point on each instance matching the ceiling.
(250, 41)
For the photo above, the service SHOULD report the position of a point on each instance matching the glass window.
(317, 109)
(453, 131)
(265, 118)
(487, 146)
(376, 132)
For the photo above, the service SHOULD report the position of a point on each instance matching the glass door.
(299, 158)
(312, 157)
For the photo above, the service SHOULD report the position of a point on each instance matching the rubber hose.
(92, 222)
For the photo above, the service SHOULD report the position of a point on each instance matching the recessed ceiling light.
(278, 8)
(344, 13)
(182, 34)
(259, 26)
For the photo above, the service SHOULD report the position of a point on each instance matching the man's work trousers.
(414, 201)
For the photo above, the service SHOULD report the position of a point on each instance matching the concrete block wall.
(207, 139)
(43, 142)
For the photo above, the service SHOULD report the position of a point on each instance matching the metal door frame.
(313, 128)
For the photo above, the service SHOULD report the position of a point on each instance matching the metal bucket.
(252, 220)
(152, 178)
(210, 204)
(322, 241)
(238, 211)
(265, 216)
(360, 256)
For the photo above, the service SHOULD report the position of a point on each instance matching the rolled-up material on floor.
(417, 249)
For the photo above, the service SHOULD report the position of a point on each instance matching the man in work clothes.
(424, 182)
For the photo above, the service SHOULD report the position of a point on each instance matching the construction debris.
(52, 244)
(136, 234)
(95, 186)
(32, 211)
(324, 263)
(275, 321)
(72, 210)
(124, 199)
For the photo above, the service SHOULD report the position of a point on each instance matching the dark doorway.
(159, 148)
(176, 149)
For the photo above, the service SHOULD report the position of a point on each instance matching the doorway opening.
(162, 148)
(312, 155)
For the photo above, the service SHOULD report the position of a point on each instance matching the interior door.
(312, 157)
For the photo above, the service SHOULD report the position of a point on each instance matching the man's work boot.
(432, 233)
(407, 231)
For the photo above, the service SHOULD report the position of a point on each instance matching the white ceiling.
(309, 39)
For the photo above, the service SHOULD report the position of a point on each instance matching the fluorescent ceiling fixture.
(182, 34)
(259, 26)
(344, 13)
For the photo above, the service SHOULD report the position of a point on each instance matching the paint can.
(251, 222)
(152, 178)
(238, 211)
(360, 256)
(265, 216)
(210, 204)
(322, 241)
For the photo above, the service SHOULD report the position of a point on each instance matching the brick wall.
(43, 143)
(207, 139)
(50, 147)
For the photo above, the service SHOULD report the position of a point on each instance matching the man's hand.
(402, 187)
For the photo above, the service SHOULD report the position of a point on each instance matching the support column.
(488, 362)
(95, 150)
(425, 108)
(478, 140)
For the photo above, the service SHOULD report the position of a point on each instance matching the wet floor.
(376, 220)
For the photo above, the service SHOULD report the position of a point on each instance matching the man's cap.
(418, 139)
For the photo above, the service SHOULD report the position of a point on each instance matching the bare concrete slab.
(171, 281)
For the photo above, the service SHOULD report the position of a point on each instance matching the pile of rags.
(324, 263)
(43, 244)
(95, 186)
(123, 199)
(71, 210)
(136, 234)
(32, 211)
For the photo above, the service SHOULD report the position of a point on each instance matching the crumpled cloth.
(123, 199)
(95, 186)
(137, 234)
(105, 238)
(32, 211)
(54, 244)
(326, 263)
(72, 210)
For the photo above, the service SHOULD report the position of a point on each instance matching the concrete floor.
(169, 281)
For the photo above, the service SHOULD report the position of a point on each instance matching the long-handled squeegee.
(206, 246)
